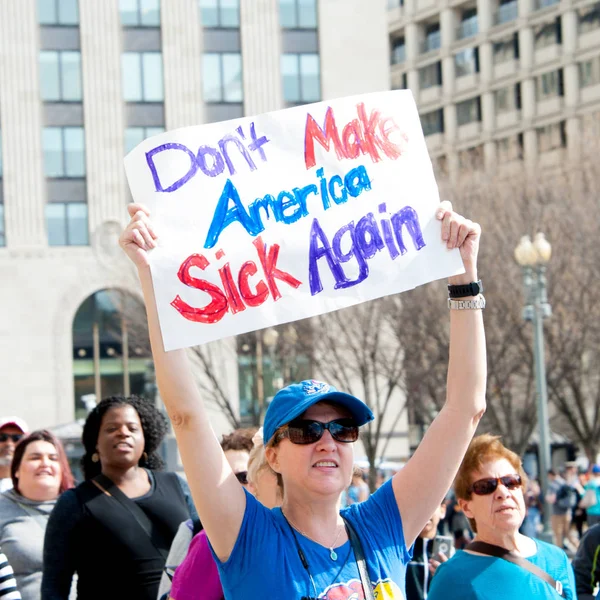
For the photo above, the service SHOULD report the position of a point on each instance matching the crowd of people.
(282, 511)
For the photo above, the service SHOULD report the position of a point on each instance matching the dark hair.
(239, 439)
(42, 435)
(154, 427)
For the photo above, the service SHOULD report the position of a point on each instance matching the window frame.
(438, 125)
(553, 130)
(63, 153)
(423, 73)
(585, 79)
(57, 22)
(61, 79)
(222, 99)
(146, 133)
(475, 62)
(297, 11)
(541, 39)
(141, 54)
(477, 102)
(585, 24)
(299, 75)
(541, 84)
(219, 10)
(398, 57)
(65, 222)
(511, 42)
(139, 11)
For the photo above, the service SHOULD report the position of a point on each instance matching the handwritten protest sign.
(269, 219)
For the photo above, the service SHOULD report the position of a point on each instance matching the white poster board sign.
(269, 219)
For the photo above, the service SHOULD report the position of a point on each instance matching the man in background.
(12, 429)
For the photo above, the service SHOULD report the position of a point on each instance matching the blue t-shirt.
(595, 508)
(265, 563)
(470, 577)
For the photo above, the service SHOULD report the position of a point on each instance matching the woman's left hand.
(461, 233)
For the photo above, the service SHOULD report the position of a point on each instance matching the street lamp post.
(267, 338)
(533, 258)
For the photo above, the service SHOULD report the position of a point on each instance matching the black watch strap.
(468, 289)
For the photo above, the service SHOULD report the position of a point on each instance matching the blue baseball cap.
(293, 400)
(596, 469)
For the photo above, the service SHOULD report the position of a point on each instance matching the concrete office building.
(81, 83)
(499, 80)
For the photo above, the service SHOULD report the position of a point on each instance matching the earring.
(95, 457)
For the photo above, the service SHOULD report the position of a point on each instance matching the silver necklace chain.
(332, 553)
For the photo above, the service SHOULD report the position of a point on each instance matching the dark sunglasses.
(484, 487)
(242, 477)
(305, 431)
(15, 437)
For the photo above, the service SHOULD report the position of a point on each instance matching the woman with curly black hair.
(115, 529)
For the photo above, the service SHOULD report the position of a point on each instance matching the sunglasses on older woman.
(487, 486)
(306, 431)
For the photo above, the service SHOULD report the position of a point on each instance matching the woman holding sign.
(308, 548)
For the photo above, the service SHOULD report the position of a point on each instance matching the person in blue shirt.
(489, 488)
(302, 549)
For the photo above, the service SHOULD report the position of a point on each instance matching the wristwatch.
(468, 289)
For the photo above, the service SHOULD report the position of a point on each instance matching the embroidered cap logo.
(314, 387)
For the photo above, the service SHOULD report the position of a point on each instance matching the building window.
(551, 137)
(468, 111)
(67, 223)
(510, 148)
(220, 14)
(507, 11)
(468, 24)
(391, 4)
(508, 99)
(64, 151)
(298, 14)
(140, 13)
(539, 4)
(466, 62)
(433, 38)
(136, 135)
(471, 158)
(301, 78)
(398, 51)
(430, 76)
(549, 85)
(58, 12)
(589, 72)
(547, 34)
(433, 122)
(60, 76)
(142, 75)
(222, 77)
(589, 18)
(506, 49)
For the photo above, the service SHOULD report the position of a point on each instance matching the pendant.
(332, 554)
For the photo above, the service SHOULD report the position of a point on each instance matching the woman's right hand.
(139, 236)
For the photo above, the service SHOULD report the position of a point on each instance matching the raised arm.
(421, 485)
(218, 496)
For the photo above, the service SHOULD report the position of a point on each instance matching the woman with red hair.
(40, 473)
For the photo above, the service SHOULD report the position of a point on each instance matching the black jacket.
(586, 563)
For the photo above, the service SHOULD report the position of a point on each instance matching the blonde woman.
(304, 548)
